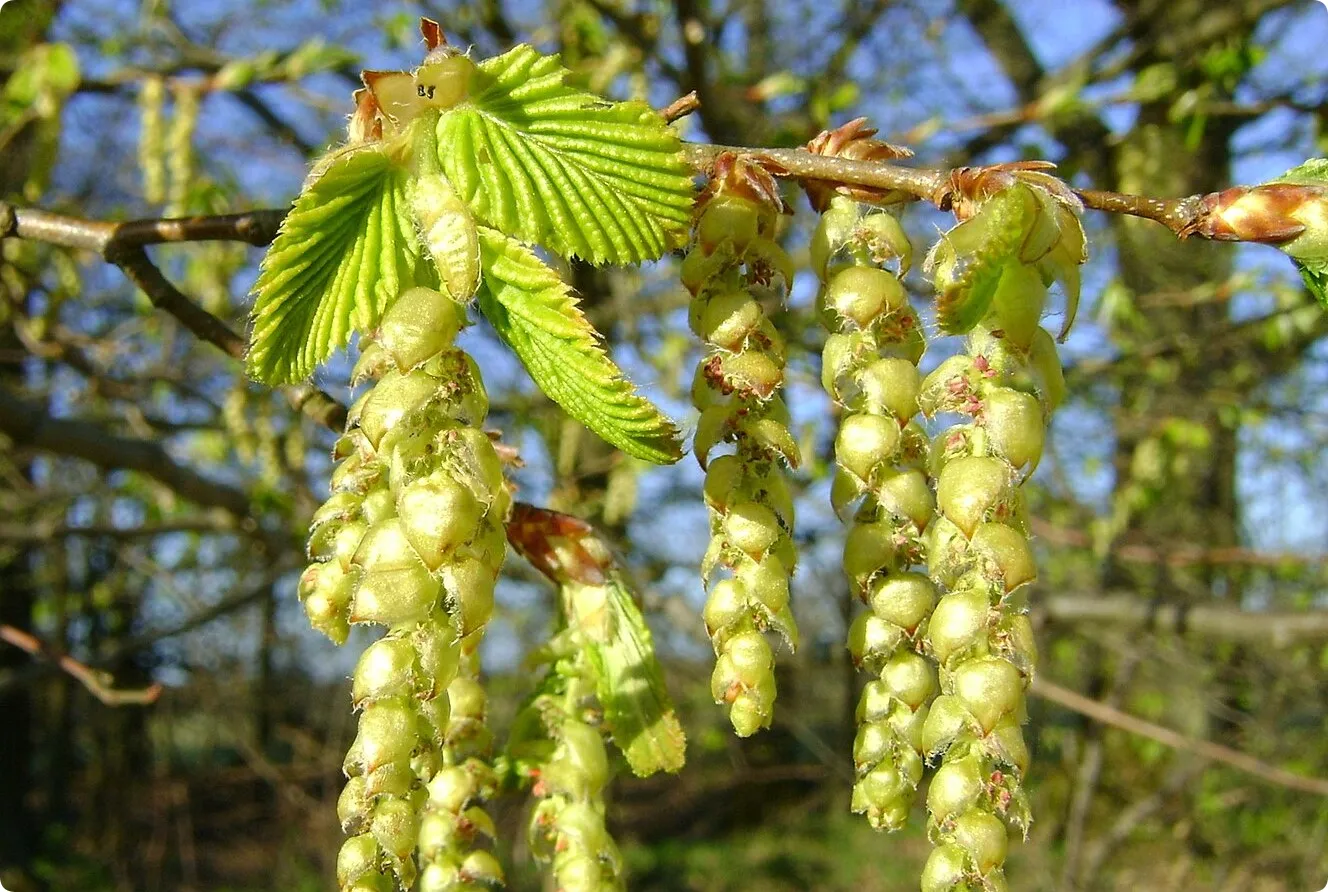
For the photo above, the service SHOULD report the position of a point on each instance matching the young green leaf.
(628, 680)
(346, 249)
(536, 314)
(563, 168)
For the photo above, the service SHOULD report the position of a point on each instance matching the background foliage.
(1184, 469)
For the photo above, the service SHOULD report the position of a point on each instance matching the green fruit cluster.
(411, 537)
(869, 368)
(733, 266)
(1007, 382)
(556, 739)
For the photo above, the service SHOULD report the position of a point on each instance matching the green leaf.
(628, 680)
(347, 248)
(537, 315)
(563, 168)
(1316, 280)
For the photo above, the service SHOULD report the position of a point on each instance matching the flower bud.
(1014, 423)
(697, 270)
(910, 678)
(722, 478)
(727, 218)
(580, 765)
(751, 372)
(959, 623)
(469, 584)
(767, 581)
(373, 362)
(947, 720)
(884, 795)
(751, 528)
(945, 870)
(482, 868)
(753, 708)
(861, 294)
(990, 688)
(956, 787)
(904, 599)
(835, 227)
(386, 735)
(891, 385)
(1016, 642)
(983, 838)
(865, 441)
(871, 640)
(728, 318)
(353, 806)
(437, 514)
(395, 826)
(868, 549)
(1007, 550)
(385, 669)
(724, 609)
(971, 488)
(885, 239)
(906, 495)
(358, 856)
(451, 789)
(839, 357)
(873, 744)
(419, 324)
(395, 396)
(395, 587)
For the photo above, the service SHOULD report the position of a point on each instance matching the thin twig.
(1215, 752)
(681, 107)
(97, 682)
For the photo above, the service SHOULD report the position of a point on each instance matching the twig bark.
(97, 682)
(1214, 752)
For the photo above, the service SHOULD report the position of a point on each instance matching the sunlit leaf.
(346, 249)
(562, 168)
(537, 315)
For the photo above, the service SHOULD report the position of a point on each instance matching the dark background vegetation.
(1185, 477)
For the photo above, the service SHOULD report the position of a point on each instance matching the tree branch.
(1215, 752)
(1280, 628)
(28, 425)
(97, 682)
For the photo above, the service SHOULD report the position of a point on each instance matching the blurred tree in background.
(153, 501)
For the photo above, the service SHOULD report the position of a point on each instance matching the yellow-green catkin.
(151, 148)
(412, 538)
(1007, 382)
(179, 148)
(870, 369)
(455, 825)
(736, 272)
(567, 825)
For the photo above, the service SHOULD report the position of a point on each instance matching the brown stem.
(1214, 752)
(98, 683)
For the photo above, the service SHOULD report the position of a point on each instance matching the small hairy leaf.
(536, 314)
(630, 684)
(563, 168)
(347, 248)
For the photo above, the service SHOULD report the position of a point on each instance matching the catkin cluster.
(570, 765)
(733, 267)
(454, 821)
(410, 538)
(869, 368)
(996, 266)
(151, 154)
